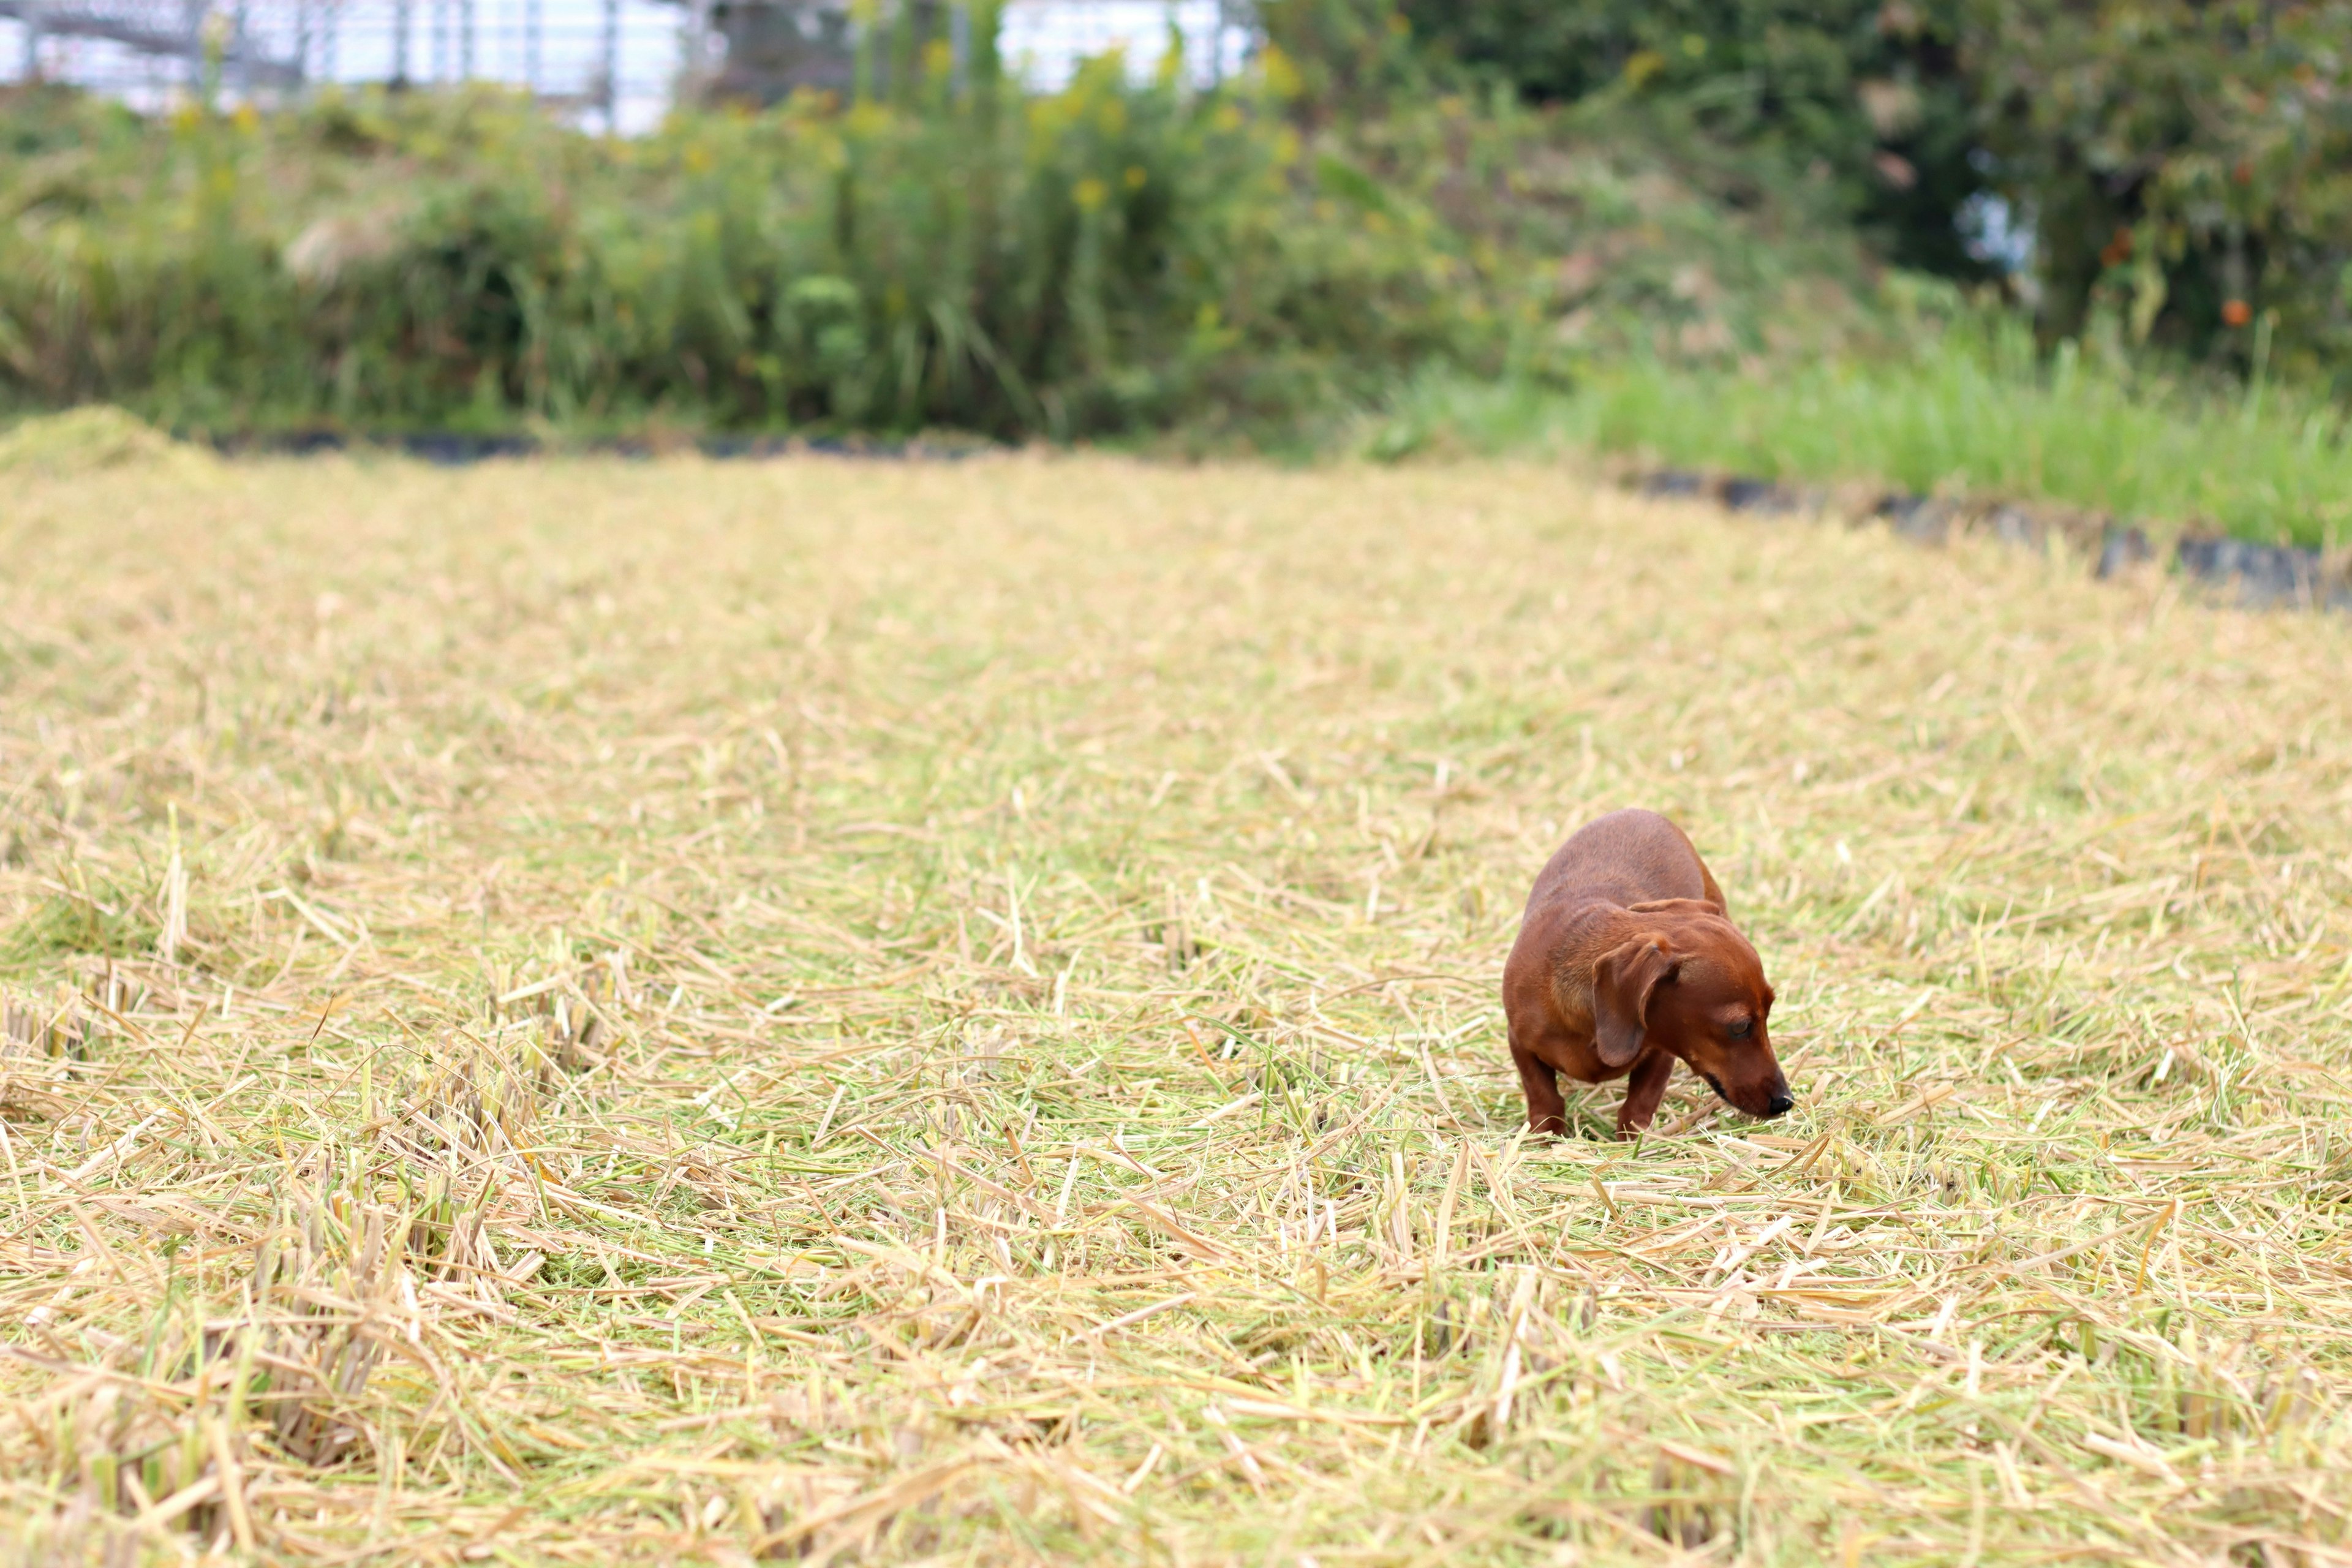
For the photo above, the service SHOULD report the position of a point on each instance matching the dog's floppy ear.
(1622, 982)
(1676, 907)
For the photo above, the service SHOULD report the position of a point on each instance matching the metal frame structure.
(607, 60)
(169, 28)
(572, 54)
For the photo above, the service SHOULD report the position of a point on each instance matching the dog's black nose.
(1781, 1105)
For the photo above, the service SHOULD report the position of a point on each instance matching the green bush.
(1867, 97)
(1110, 257)
(2184, 166)
(2189, 167)
(1630, 239)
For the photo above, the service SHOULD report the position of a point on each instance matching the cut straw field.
(584, 1011)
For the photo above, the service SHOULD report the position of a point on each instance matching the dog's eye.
(1739, 1031)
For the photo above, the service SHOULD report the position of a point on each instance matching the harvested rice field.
(583, 1011)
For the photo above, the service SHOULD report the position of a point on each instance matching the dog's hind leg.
(1547, 1112)
(1643, 1088)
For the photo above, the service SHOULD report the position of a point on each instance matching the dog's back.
(1626, 858)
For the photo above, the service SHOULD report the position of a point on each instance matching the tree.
(2187, 164)
(1868, 94)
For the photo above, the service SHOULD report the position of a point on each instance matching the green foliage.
(1353, 56)
(2187, 164)
(1686, 183)
(1975, 408)
(1110, 257)
(1867, 97)
(1636, 242)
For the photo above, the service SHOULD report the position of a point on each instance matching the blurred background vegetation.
(1668, 209)
(2186, 165)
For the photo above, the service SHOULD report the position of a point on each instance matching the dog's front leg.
(1547, 1112)
(1643, 1089)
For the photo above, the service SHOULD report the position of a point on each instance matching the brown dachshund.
(1627, 960)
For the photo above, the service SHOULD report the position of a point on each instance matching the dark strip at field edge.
(454, 450)
(2263, 576)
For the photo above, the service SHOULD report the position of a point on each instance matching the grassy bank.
(674, 1012)
(1968, 409)
(1112, 258)
(1117, 260)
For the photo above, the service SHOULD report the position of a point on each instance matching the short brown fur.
(1626, 961)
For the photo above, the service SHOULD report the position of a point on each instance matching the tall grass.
(1972, 408)
(1109, 257)
(1118, 257)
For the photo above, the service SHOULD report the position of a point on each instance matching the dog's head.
(1690, 983)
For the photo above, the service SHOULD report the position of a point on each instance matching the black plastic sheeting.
(2258, 576)
(2265, 575)
(456, 449)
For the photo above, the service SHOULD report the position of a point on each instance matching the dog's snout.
(1779, 1105)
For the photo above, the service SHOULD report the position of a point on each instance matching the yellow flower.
(1090, 193)
(1282, 77)
(1136, 176)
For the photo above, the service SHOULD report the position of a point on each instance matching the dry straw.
(602, 1010)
